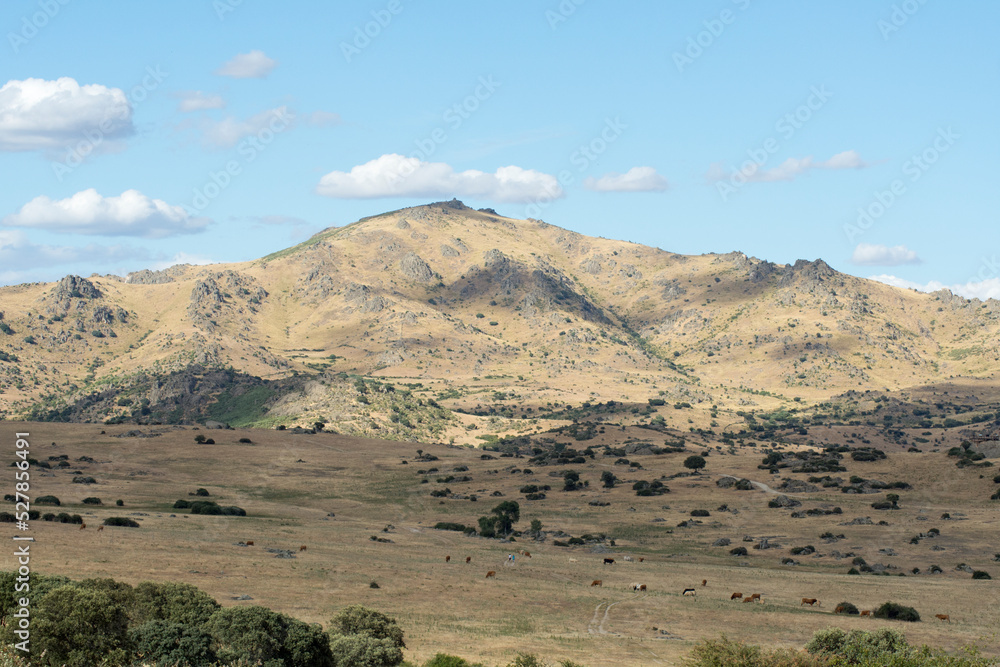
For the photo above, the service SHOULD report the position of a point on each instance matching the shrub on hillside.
(73, 625)
(164, 643)
(981, 574)
(897, 612)
(739, 551)
(47, 500)
(445, 660)
(120, 521)
(846, 608)
(725, 651)
(92, 501)
(700, 513)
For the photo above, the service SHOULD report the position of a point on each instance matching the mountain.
(480, 317)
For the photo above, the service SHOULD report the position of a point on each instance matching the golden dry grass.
(288, 484)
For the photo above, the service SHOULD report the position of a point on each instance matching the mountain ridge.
(442, 294)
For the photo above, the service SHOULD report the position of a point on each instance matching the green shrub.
(739, 551)
(92, 501)
(526, 660)
(47, 500)
(202, 492)
(445, 660)
(256, 633)
(172, 602)
(172, 644)
(897, 612)
(981, 574)
(120, 521)
(700, 513)
(846, 608)
(120, 503)
(447, 525)
(182, 505)
(80, 627)
(364, 651)
(356, 619)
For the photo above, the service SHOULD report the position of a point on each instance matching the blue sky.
(136, 135)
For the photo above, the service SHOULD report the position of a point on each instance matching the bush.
(120, 503)
(47, 500)
(163, 643)
(981, 574)
(257, 634)
(356, 619)
(364, 651)
(444, 660)
(202, 492)
(120, 521)
(700, 513)
(447, 525)
(846, 608)
(182, 505)
(84, 480)
(80, 627)
(739, 551)
(859, 647)
(172, 602)
(526, 660)
(896, 612)
(92, 501)
(694, 462)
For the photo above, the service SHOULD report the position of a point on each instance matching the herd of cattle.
(641, 587)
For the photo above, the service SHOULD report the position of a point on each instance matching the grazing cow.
(468, 559)
(609, 561)
(747, 599)
(755, 598)
(688, 591)
(100, 528)
(943, 617)
(526, 554)
(597, 582)
(638, 587)
(447, 559)
(628, 559)
(641, 559)
(249, 543)
(302, 548)
(736, 596)
(82, 526)
(840, 609)
(704, 582)
(809, 601)
(866, 612)
(491, 573)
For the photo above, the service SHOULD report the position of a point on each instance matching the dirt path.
(596, 626)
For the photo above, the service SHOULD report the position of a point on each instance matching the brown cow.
(249, 543)
(748, 599)
(447, 559)
(100, 528)
(526, 554)
(866, 612)
(704, 582)
(597, 582)
(491, 573)
(840, 609)
(638, 587)
(468, 559)
(736, 596)
(302, 548)
(809, 601)
(609, 561)
(641, 559)
(755, 597)
(82, 526)
(943, 617)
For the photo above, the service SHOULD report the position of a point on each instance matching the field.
(339, 496)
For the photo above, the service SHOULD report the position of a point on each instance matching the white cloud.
(323, 119)
(787, 170)
(87, 212)
(24, 261)
(227, 132)
(253, 65)
(988, 288)
(874, 254)
(636, 179)
(394, 175)
(195, 100)
(36, 114)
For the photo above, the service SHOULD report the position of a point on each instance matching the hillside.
(483, 319)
